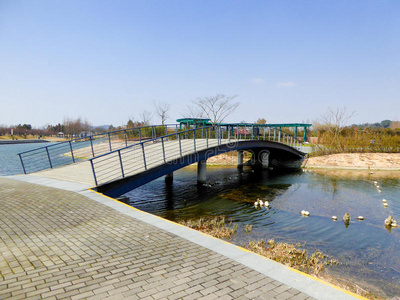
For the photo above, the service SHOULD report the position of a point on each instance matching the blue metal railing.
(86, 147)
(96, 146)
(144, 155)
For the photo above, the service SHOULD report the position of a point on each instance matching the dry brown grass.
(291, 256)
(216, 226)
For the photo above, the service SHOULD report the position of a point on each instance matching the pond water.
(369, 252)
(9, 160)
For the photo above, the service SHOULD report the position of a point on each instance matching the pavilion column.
(279, 135)
(202, 171)
(305, 134)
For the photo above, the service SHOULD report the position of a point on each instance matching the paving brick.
(66, 246)
(147, 292)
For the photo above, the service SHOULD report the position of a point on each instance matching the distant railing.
(90, 146)
(147, 154)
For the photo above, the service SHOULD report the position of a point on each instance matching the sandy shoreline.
(355, 161)
(351, 161)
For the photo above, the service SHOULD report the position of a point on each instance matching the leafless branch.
(146, 117)
(216, 108)
(162, 109)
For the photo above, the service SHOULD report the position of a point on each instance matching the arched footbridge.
(123, 160)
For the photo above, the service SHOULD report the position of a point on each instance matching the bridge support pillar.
(202, 171)
(240, 159)
(169, 178)
(264, 159)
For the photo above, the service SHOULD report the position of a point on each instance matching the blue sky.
(287, 61)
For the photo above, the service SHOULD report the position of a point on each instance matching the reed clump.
(291, 256)
(217, 226)
(248, 228)
(355, 140)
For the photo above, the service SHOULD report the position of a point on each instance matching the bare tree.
(215, 108)
(193, 112)
(162, 109)
(87, 127)
(335, 120)
(76, 127)
(146, 117)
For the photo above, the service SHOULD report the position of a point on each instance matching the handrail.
(70, 151)
(141, 156)
(151, 140)
(101, 134)
(100, 145)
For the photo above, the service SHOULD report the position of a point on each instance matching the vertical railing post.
(207, 136)
(109, 141)
(48, 155)
(22, 162)
(180, 144)
(194, 139)
(126, 140)
(72, 152)
(120, 161)
(144, 157)
(163, 149)
(91, 145)
(94, 173)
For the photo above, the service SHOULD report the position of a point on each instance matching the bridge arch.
(279, 156)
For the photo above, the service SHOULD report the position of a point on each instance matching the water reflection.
(368, 251)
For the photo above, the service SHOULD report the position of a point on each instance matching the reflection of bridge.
(120, 161)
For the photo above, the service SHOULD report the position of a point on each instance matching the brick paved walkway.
(57, 244)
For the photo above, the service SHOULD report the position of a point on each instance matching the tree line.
(215, 108)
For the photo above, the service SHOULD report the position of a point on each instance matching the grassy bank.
(355, 140)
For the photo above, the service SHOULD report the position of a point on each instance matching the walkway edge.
(307, 284)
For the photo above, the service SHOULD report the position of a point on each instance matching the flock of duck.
(389, 222)
(260, 203)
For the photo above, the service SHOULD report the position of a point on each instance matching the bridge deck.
(81, 172)
(76, 244)
(129, 161)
